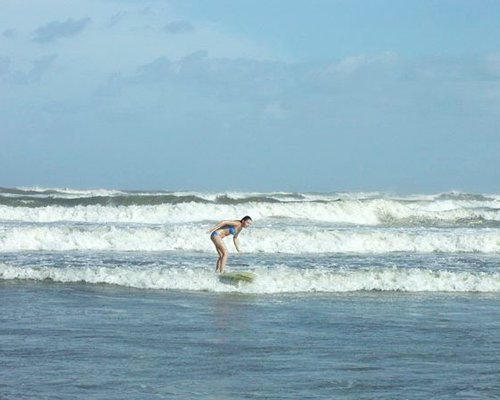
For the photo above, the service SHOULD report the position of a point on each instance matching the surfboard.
(235, 277)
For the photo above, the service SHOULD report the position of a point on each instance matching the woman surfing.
(223, 229)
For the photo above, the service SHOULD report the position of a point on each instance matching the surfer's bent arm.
(220, 225)
(217, 226)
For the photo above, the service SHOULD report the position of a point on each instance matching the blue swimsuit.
(232, 230)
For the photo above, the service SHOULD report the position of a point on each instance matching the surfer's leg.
(217, 267)
(222, 251)
(223, 260)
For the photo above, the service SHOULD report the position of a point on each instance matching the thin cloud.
(493, 64)
(117, 18)
(157, 71)
(112, 87)
(275, 110)
(9, 33)
(35, 74)
(179, 27)
(56, 30)
(4, 65)
(386, 83)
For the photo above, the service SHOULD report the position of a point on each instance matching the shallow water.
(99, 341)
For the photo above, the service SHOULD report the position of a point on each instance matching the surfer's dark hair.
(246, 218)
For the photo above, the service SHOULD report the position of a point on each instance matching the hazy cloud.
(35, 74)
(355, 65)
(179, 27)
(117, 18)
(275, 110)
(227, 78)
(493, 64)
(9, 33)
(385, 83)
(56, 30)
(113, 86)
(154, 72)
(4, 65)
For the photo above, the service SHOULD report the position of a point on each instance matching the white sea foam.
(292, 240)
(277, 280)
(369, 212)
(68, 192)
(294, 223)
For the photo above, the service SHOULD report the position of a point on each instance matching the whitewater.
(299, 242)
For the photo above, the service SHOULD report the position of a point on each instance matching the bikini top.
(232, 230)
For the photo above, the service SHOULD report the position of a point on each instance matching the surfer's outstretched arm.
(236, 244)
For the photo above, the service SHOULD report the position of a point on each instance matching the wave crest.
(289, 240)
(354, 212)
(268, 281)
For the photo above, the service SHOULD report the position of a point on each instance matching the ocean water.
(108, 294)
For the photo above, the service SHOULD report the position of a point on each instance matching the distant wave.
(174, 208)
(276, 280)
(57, 192)
(38, 197)
(50, 196)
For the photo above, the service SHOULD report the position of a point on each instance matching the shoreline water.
(89, 342)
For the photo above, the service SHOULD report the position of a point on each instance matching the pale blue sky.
(399, 96)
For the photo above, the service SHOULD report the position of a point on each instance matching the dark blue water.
(81, 341)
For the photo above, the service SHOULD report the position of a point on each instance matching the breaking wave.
(276, 280)
(292, 240)
(296, 223)
(154, 210)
